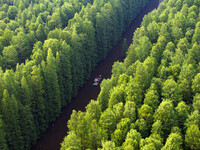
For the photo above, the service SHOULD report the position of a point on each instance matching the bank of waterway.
(54, 135)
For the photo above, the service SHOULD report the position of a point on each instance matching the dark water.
(54, 135)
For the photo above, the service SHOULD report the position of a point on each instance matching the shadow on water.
(54, 135)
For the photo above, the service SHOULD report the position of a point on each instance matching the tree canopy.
(48, 49)
(152, 99)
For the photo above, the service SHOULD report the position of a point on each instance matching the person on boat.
(96, 80)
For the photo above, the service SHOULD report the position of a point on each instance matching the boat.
(97, 80)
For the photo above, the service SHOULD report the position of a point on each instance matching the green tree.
(196, 102)
(73, 121)
(173, 142)
(177, 34)
(134, 92)
(132, 56)
(55, 21)
(3, 143)
(166, 114)
(108, 145)
(152, 98)
(89, 44)
(141, 126)
(130, 111)
(40, 33)
(157, 128)
(165, 29)
(187, 73)
(32, 38)
(25, 92)
(177, 59)
(118, 109)
(21, 43)
(53, 102)
(118, 69)
(171, 91)
(71, 141)
(77, 63)
(28, 129)
(143, 75)
(183, 45)
(193, 118)
(93, 110)
(117, 95)
(80, 126)
(107, 121)
(9, 110)
(9, 82)
(117, 137)
(53, 44)
(37, 99)
(12, 12)
(65, 72)
(146, 112)
(7, 37)
(195, 37)
(152, 31)
(11, 56)
(193, 54)
(182, 111)
(152, 142)
(82, 130)
(119, 134)
(156, 52)
(95, 135)
(142, 50)
(132, 140)
(189, 34)
(103, 96)
(192, 137)
(195, 84)
(21, 5)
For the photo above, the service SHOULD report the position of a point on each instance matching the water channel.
(53, 136)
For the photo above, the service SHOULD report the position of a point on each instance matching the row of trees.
(61, 58)
(152, 100)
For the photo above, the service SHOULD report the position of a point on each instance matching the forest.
(48, 49)
(152, 100)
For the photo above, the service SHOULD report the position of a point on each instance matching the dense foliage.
(48, 48)
(152, 100)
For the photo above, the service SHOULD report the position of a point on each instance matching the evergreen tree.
(28, 128)
(9, 110)
(21, 43)
(173, 142)
(25, 92)
(192, 137)
(53, 103)
(171, 91)
(71, 142)
(166, 114)
(182, 111)
(3, 143)
(130, 111)
(132, 140)
(65, 70)
(107, 121)
(37, 100)
(11, 56)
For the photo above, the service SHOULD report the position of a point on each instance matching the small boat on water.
(97, 80)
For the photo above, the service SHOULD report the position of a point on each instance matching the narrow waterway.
(54, 135)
